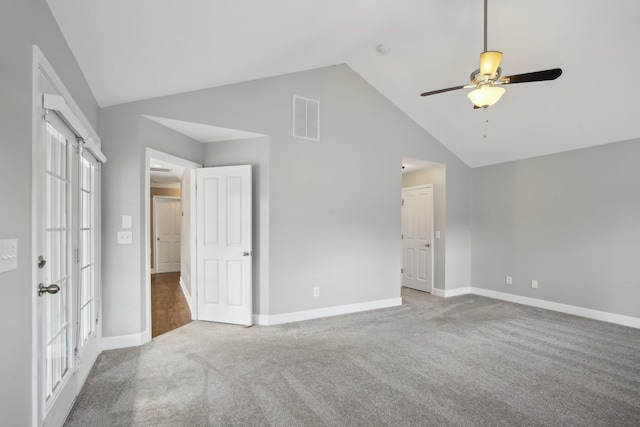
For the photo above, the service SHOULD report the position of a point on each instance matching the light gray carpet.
(460, 361)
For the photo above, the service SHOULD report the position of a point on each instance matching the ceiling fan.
(487, 80)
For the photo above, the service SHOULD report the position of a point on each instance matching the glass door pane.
(57, 270)
(87, 250)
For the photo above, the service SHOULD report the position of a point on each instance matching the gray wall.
(254, 152)
(333, 205)
(435, 175)
(22, 24)
(124, 141)
(570, 220)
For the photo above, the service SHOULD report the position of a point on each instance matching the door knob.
(427, 245)
(51, 289)
(247, 253)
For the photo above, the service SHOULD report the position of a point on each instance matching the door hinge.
(402, 271)
(402, 237)
(76, 256)
(402, 202)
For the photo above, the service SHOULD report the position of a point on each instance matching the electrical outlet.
(125, 237)
(509, 280)
(534, 284)
(316, 292)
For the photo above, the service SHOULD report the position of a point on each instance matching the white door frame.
(149, 154)
(433, 246)
(155, 224)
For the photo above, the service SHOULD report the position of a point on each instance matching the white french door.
(66, 206)
(224, 244)
(417, 238)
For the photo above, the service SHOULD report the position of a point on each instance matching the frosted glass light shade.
(489, 63)
(486, 96)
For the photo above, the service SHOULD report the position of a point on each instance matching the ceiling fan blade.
(537, 76)
(433, 92)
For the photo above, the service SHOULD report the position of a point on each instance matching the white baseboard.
(123, 341)
(277, 319)
(438, 293)
(187, 296)
(604, 316)
(447, 293)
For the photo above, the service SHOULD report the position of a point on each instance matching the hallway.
(169, 308)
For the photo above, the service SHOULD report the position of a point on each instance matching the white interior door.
(66, 187)
(417, 238)
(168, 235)
(224, 244)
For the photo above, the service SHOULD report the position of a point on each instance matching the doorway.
(168, 254)
(423, 226)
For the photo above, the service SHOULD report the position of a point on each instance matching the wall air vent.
(306, 118)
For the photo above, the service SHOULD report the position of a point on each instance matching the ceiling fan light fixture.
(486, 96)
(489, 63)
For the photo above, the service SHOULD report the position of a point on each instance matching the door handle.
(51, 289)
(247, 253)
(427, 245)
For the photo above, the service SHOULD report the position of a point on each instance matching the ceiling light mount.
(383, 49)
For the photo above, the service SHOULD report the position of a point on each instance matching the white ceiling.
(169, 178)
(204, 133)
(132, 50)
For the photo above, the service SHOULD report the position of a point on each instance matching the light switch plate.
(8, 255)
(437, 234)
(126, 221)
(125, 237)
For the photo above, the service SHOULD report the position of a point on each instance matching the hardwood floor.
(169, 308)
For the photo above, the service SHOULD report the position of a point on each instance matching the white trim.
(172, 185)
(298, 316)
(448, 293)
(151, 153)
(153, 271)
(124, 341)
(183, 286)
(438, 293)
(40, 62)
(604, 316)
(35, 398)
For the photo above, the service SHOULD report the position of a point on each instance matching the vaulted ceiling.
(133, 50)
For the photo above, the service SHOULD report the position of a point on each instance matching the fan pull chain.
(486, 120)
